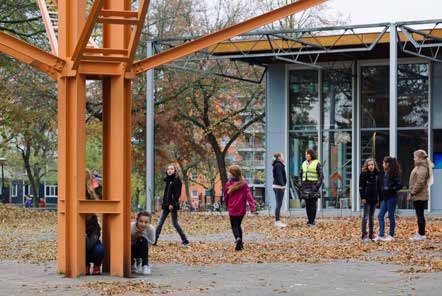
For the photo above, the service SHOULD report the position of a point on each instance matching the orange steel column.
(71, 145)
(117, 148)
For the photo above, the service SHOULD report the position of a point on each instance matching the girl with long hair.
(369, 191)
(171, 204)
(236, 195)
(421, 179)
(391, 184)
(279, 183)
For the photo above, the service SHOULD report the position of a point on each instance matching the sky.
(377, 11)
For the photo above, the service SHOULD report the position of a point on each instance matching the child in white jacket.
(142, 234)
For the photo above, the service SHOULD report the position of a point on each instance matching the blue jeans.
(388, 205)
(368, 214)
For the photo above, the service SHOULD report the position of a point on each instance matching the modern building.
(348, 92)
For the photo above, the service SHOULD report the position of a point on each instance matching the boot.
(238, 244)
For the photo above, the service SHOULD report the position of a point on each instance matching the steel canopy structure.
(245, 57)
(74, 59)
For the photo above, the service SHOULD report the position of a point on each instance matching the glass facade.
(322, 110)
(330, 119)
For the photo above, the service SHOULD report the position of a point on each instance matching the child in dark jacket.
(369, 191)
(172, 193)
(142, 234)
(279, 183)
(391, 184)
(236, 195)
(94, 247)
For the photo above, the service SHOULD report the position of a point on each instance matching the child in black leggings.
(142, 233)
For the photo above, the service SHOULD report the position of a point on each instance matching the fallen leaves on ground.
(29, 235)
(138, 287)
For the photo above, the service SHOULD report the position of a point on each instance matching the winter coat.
(93, 233)
(236, 201)
(370, 187)
(390, 186)
(172, 192)
(418, 186)
(279, 176)
(148, 233)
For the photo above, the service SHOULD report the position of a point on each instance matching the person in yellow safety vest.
(311, 182)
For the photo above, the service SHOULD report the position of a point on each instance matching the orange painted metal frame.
(113, 64)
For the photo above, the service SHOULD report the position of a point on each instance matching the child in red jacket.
(236, 195)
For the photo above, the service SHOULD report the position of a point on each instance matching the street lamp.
(2, 163)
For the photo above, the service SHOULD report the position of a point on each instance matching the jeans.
(388, 205)
(419, 206)
(175, 223)
(311, 207)
(95, 255)
(279, 196)
(235, 222)
(368, 215)
(140, 249)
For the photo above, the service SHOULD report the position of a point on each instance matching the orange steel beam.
(135, 36)
(117, 84)
(117, 150)
(31, 55)
(86, 33)
(53, 42)
(214, 38)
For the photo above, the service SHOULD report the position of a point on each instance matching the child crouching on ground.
(142, 234)
(94, 247)
(236, 195)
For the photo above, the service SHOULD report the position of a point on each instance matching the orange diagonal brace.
(135, 35)
(222, 35)
(31, 55)
(53, 41)
(86, 33)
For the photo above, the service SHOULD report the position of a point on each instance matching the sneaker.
(97, 270)
(387, 238)
(185, 243)
(146, 270)
(373, 237)
(279, 224)
(418, 237)
(310, 224)
(365, 237)
(135, 267)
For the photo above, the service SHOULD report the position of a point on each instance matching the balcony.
(252, 164)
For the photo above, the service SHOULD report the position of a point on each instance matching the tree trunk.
(32, 181)
(186, 186)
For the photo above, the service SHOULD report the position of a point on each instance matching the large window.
(375, 97)
(413, 95)
(307, 122)
(304, 101)
(408, 142)
(337, 93)
(337, 167)
(375, 144)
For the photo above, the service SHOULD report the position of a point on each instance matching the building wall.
(436, 120)
(277, 130)
(276, 122)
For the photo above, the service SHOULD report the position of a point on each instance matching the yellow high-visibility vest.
(309, 172)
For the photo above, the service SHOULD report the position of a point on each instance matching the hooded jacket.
(172, 192)
(419, 178)
(236, 201)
